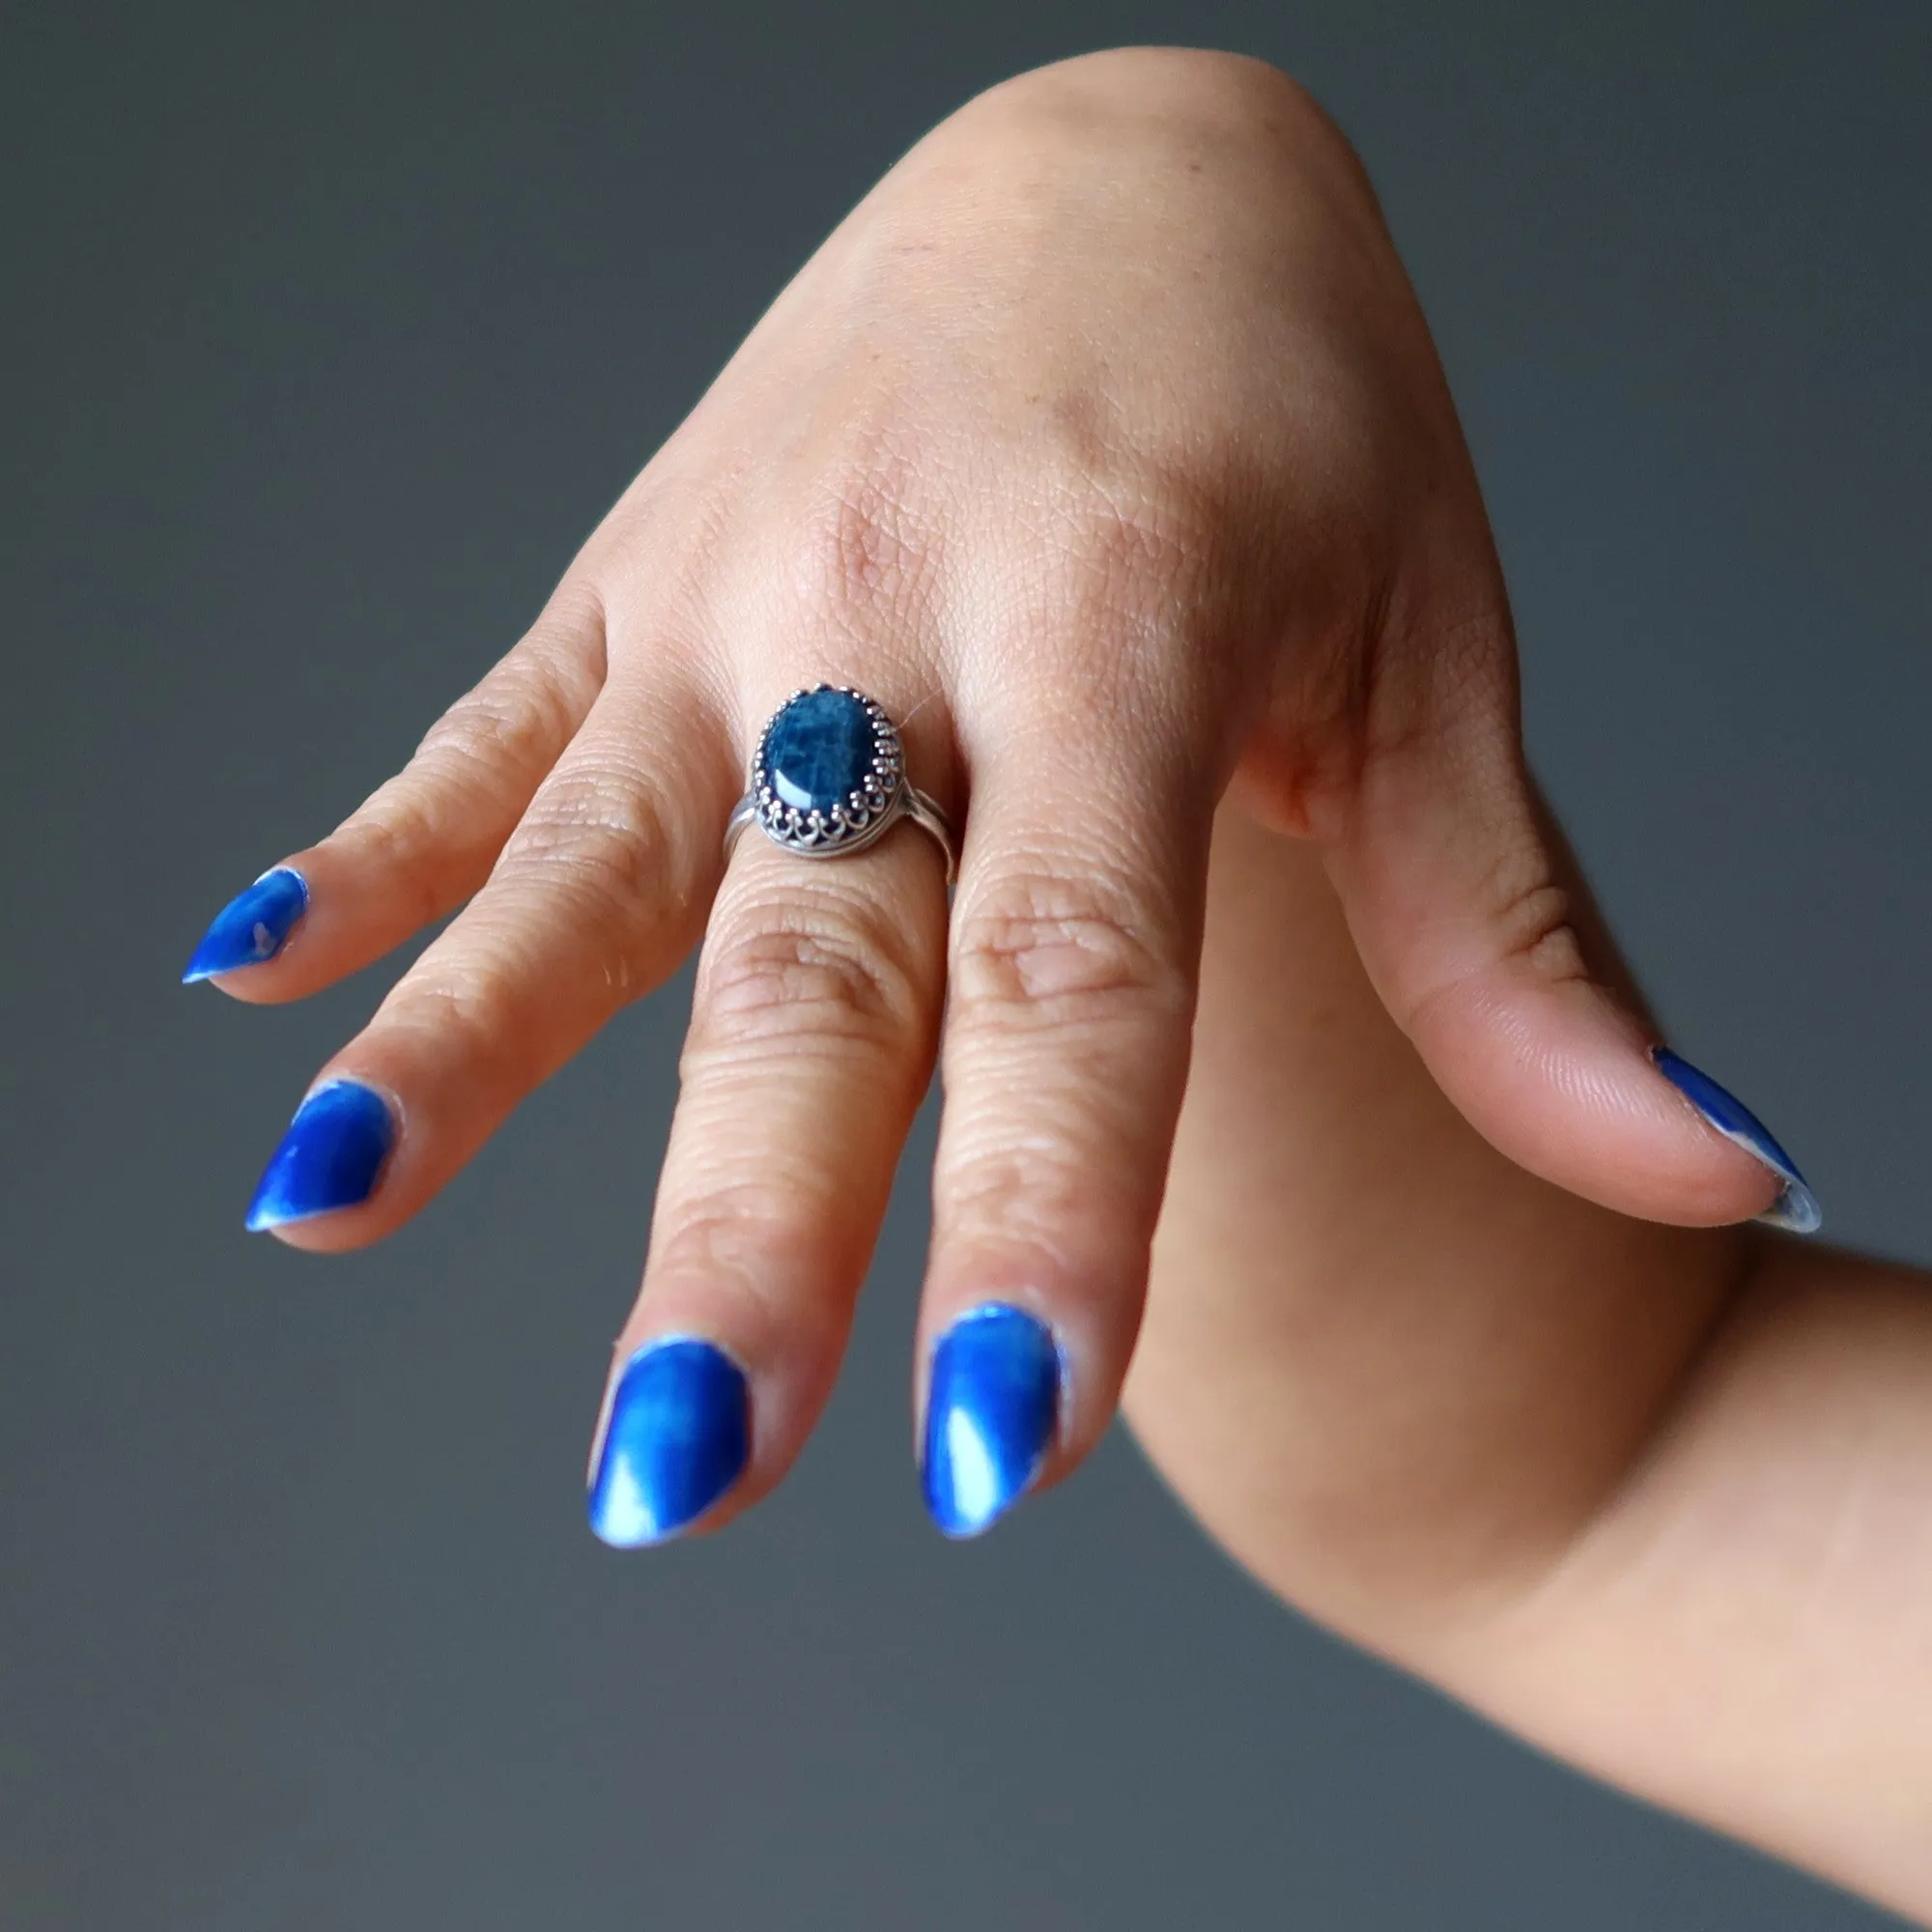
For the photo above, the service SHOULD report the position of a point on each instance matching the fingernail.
(331, 1157)
(1796, 1207)
(676, 1436)
(252, 927)
(990, 1414)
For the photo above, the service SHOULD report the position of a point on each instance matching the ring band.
(829, 780)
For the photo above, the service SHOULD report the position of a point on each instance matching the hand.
(1658, 1498)
(1104, 444)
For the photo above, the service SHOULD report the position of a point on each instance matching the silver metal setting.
(866, 813)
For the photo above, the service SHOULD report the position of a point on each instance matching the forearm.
(1610, 1481)
(1743, 1633)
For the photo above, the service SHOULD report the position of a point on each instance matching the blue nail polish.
(331, 1157)
(1796, 1207)
(990, 1414)
(252, 927)
(677, 1436)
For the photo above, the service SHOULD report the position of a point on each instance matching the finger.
(595, 898)
(426, 841)
(1477, 930)
(1075, 942)
(812, 1040)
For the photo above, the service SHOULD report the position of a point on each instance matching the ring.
(829, 780)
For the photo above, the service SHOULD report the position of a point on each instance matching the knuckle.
(527, 705)
(1145, 499)
(832, 973)
(1035, 1191)
(1528, 921)
(1058, 1175)
(1129, 584)
(514, 717)
(1534, 922)
(661, 551)
(723, 1235)
(1448, 671)
(470, 1014)
(863, 552)
(1133, 548)
(1043, 948)
(740, 1243)
(495, 740)
(598, 834)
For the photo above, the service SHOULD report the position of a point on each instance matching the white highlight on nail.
(976, 1476)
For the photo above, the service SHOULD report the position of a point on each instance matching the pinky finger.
(426, 841)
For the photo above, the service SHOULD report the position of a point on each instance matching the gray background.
(327, 335)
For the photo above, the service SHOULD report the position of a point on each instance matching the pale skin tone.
(1659, 1499)
(1105, 445)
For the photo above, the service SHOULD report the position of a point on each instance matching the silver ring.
(829, 780)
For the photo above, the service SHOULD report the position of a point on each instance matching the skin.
(1104, 444)
(1659, 1499)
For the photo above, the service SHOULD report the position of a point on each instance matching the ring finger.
(813, 1027)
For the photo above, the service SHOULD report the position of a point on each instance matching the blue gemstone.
(818, 750)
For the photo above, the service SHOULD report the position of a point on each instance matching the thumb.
(1477, 930)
